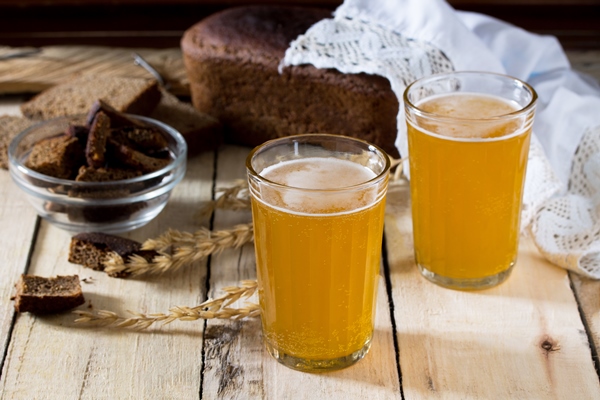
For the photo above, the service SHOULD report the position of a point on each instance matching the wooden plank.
(51, 357)
(54, 64)
(525, 335)
(588, 295)
(18, 220)
(238, 366)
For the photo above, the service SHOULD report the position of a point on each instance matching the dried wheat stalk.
(232, 198)
(176, 249)
(210, 309)
(399, 162)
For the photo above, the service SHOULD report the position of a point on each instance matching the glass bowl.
(110, 207)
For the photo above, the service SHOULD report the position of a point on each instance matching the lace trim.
(566, 229)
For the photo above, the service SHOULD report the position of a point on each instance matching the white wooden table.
(533, 337)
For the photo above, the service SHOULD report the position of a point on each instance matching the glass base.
(469, 283)
(306, 365)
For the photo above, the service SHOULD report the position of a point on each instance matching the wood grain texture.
(588, 295)
(18, 221)
(525, 335)
(54, 64)
(238, 367)
(71, 361)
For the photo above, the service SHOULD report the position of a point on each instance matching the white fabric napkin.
(403, 40)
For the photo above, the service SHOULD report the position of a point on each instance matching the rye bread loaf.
(232, 60)
(76, 96)
(40, 295)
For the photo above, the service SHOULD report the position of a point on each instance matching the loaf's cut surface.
(77, 95)
(201, 131)
(40, 295)
(232, 60)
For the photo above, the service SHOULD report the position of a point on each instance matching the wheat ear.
(399, 163)
(210, 309)
(232, 198)
(176, 249)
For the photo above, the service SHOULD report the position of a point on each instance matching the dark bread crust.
(232, 58)
(132, 158)
(96, 143)
(117, 119)
(90, 174)
(39, 295)
(91, 249)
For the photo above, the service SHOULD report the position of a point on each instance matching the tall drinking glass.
(318, 208)
(468, 140)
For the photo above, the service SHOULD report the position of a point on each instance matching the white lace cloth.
(403, 40)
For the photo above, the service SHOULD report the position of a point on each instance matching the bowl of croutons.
(106, 171)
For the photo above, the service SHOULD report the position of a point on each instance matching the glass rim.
(368, 147)
(503, 117)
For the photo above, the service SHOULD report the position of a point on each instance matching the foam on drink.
(471, 107)
(319, 173)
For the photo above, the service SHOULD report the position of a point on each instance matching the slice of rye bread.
(96, 142)
(201, 131)
(39, 295)
(132, 158)
(58, 156)
(10, 127)
(76, 96)
(147, 140)
(91, 250)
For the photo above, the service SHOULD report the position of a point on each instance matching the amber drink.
(468, 138)
(318, 207)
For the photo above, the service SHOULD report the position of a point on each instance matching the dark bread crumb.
(82, 153)
(76, 96)
(39, 295)
(91, 249)
(58, 156)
